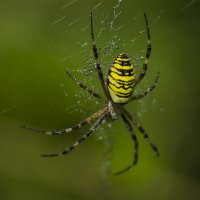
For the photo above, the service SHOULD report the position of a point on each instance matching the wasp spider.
(118, 90)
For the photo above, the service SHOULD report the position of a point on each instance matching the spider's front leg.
(96, 56)
(148, 53)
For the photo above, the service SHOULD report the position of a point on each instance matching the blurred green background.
(39, 40)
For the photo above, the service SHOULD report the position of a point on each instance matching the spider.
(118, 90)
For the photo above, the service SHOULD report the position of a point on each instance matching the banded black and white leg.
(86, 121)
(134, 138)
(148, 53)
(141, 129)
(81, 139)
(83, 86)
(148, 91)
(96, 56)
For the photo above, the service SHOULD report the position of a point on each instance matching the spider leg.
(90, 91)
(148, 52)
(96, 56)
(134, 138)
(81, 139)
(148, 91)
(75, 127)
(141, 129)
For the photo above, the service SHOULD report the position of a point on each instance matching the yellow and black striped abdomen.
(120, 79)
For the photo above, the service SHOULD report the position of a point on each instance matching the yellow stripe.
(118, 83)
(115, 70)
(118, 96)
(114, 82)
(123, 78)
(121, 90)
(119, 66)
(117, 99)
(124, 73)
(122, 59)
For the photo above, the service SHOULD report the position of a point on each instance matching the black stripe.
(124, 56)
(95, 52)
(126, 63)
(122, 86)
(122, 70)
(122, 62)
(123, 73)
(148, 51)
(132, 81)
(66, 150)
(118, 93)
(121, 96)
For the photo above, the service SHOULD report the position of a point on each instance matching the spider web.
(108, 28)
(114, 45)
(108, 50)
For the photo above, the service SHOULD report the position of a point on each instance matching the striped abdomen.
(120, 79)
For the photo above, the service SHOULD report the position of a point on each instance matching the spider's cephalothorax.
(118, 90)
(120, 79)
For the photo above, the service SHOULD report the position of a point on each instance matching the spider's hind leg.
(81, 139)
(73, 128)
(134, 138)
(144, 133)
